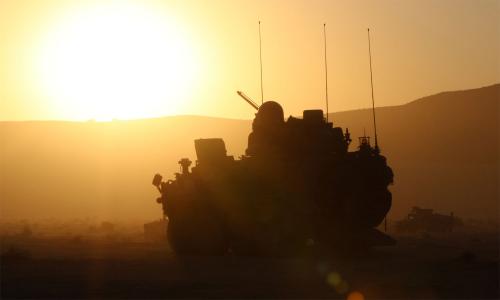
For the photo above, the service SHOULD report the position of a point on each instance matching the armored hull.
(421, 220)
(296, 188)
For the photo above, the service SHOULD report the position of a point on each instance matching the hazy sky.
(79, 60)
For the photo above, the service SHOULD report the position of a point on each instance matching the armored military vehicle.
(425, 220)
(297, 188)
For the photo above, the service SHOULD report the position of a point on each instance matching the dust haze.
(443, 149)
(79, 216)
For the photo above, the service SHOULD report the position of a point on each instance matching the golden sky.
(80, 60)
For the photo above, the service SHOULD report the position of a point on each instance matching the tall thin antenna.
(260, 56)
(326, 73)
(373, 99)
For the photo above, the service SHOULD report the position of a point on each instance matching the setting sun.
(117, 61)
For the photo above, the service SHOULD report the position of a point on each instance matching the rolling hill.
(444, 150)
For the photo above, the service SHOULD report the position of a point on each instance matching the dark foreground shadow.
(415, 268)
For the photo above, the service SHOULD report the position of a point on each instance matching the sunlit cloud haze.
(80, 60)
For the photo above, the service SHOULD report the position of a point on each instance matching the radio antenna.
(326, 73)
(373, 99)
(260, 57)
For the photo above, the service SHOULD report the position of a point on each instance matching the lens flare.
(355, 296)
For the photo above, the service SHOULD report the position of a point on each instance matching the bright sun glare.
(117, 61)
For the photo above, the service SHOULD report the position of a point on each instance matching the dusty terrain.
(458, 265)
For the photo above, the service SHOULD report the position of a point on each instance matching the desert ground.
(458, 265)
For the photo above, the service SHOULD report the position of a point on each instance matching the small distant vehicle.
(427, 221)
(297, 187)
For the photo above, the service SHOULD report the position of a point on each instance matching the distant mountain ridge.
(444, 150)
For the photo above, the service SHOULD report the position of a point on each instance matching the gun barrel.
(248, 100)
